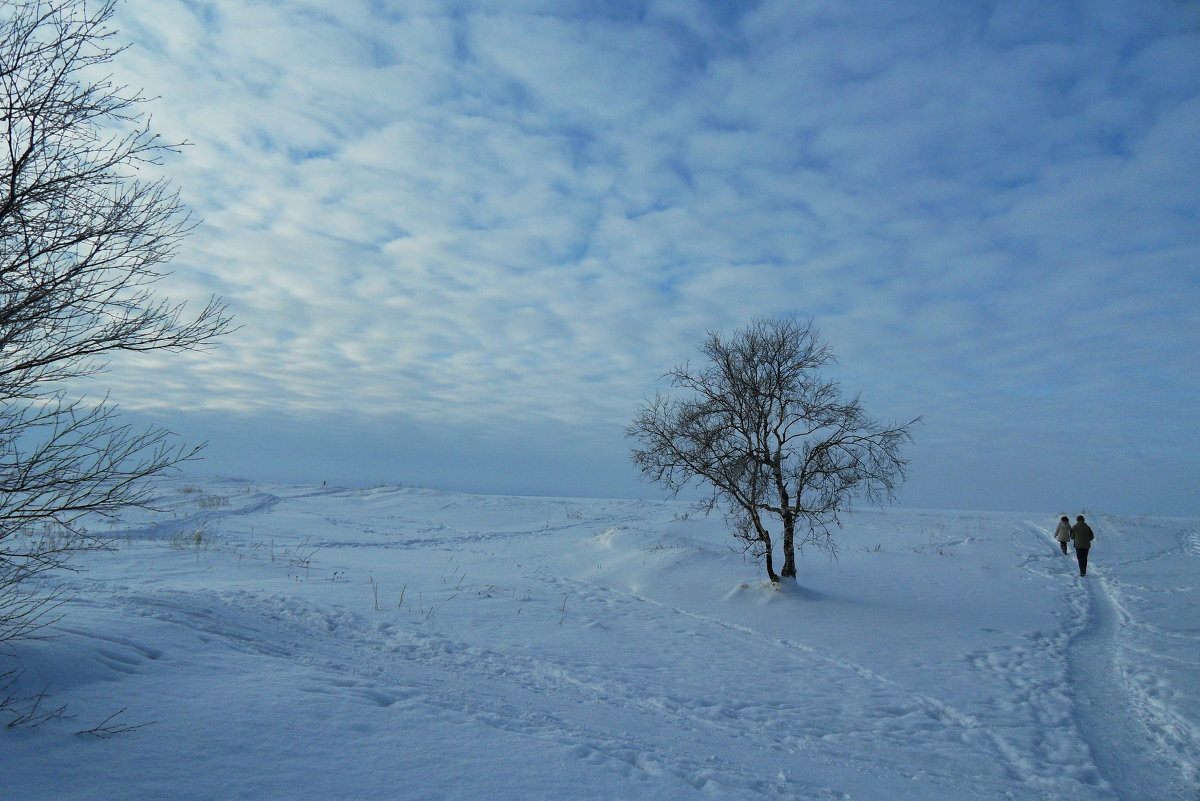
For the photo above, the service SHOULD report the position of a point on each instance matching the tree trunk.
(787, 516)
(770, 561)
(789, 547)
(764, 537)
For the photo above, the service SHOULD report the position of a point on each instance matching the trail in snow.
(1139, 748)
(1109, 718)
(1129, 758)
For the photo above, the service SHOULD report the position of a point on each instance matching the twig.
(107, 729)
(29, 716)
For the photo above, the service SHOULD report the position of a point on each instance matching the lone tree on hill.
(770, 438)
(82, 242)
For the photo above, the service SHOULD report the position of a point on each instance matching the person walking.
(1063, 532)
(1081, 534)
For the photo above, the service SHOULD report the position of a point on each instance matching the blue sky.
(465, 239)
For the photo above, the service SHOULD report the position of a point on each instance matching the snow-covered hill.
(292, 643)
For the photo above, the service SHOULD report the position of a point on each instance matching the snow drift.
(259, 641)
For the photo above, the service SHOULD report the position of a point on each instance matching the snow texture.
(286, 642)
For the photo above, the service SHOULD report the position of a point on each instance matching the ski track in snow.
(286, 628)
(374, 665)
(377, 669)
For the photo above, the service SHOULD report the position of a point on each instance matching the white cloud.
(502, 215)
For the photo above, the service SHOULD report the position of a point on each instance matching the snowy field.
(283, 643)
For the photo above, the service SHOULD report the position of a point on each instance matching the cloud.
(518, 215)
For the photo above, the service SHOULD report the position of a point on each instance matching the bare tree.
(83, 241)
(770, 439)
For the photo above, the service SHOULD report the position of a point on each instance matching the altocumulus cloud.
(480, 231)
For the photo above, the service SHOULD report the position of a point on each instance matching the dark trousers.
(1081, 555)
(1064, 546)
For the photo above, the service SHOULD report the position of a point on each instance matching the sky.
(464, 240)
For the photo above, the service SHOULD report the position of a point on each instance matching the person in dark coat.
(1082, 536)
(1063, 532)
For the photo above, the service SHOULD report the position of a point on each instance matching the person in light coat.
(1081, 534)
(1063, 532)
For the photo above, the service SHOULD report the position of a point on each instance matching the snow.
(264, 641)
